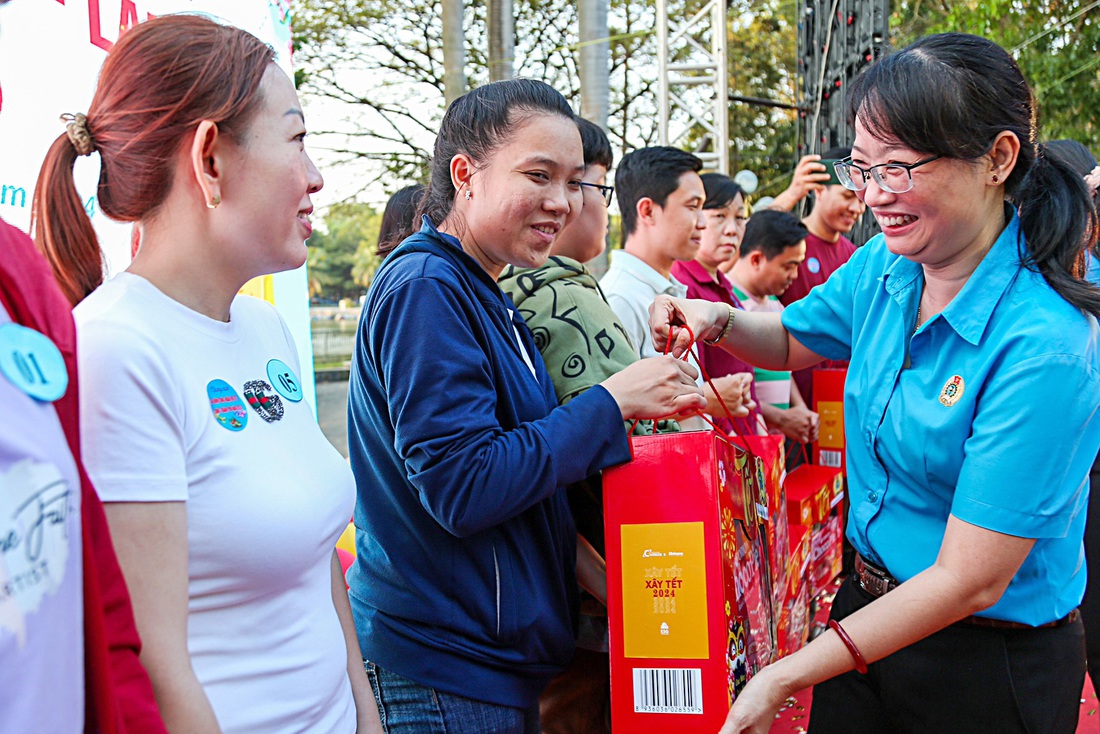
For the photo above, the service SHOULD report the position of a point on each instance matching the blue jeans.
(410, 708)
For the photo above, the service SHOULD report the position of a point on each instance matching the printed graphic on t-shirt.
(226, 405)
(34, 542)
(261, 396)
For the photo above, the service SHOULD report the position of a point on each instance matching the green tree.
(762, 54)
(1055, 42)
(341, 253)
(381, 62)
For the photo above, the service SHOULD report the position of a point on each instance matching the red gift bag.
(794, 610)
(814, 497)
(771, 474)
(829, 406)
(689, 591)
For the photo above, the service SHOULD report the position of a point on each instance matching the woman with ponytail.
(224, 515)
(970, 410)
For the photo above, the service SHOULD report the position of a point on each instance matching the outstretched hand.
(656, 388)
(736, 395)
(686, 319)
(755, 708)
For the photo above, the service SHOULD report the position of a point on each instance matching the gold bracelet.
(725, 331)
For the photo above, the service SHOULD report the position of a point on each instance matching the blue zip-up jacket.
(465, 572)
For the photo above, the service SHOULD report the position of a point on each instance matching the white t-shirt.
(630, 287)
(41, 580)
(266, 500)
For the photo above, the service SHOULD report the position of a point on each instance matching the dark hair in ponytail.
(951, 94)
(161, 80)
(479, 122)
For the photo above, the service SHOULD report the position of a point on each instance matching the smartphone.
(833, 181)
(828, 163)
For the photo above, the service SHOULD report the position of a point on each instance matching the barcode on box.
(668, 690)
(831, 459)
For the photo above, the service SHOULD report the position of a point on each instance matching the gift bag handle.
(700, 413)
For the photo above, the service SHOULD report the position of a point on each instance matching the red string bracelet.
(861, 664)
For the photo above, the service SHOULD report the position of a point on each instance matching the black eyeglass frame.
(844, 168)
(605, 191)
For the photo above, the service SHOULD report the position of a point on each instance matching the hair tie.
(1092, 180)
(77, 128)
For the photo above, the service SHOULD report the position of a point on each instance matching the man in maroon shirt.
(719, 243)
(836, 210)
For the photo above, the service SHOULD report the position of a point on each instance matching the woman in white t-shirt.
(224, 499)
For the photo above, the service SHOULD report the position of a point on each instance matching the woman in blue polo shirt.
(970, 410)
(463, 591)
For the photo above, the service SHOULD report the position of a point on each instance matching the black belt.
(876, 582)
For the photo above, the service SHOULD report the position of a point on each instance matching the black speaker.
(837, 39)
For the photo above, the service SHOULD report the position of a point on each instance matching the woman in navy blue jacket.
(464, 589)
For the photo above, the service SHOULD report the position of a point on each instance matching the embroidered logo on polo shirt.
(952, 391)
(261, 396)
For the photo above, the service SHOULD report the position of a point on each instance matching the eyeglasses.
(605, 191)
(896, 178)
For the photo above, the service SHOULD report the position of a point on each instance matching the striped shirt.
(772, 386)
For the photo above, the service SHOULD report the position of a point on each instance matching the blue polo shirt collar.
(970, 311)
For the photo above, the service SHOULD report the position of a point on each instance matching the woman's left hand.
(755, 708)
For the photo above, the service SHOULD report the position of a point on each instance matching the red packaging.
(829, 406)
(794, 614)
(686, 582)
(814, 496)
(772, 506)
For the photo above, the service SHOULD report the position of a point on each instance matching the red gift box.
(772, 507)
(794, 613)
(814, 496)
(829, 406)
(689, 600)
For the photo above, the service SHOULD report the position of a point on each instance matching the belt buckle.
(872, 584)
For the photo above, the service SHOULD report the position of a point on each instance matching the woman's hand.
(755, 708)
(655, 388)
(705, 320)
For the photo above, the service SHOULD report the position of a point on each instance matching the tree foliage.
(1055, 42)
(378, 64)
(341, 258)
(762, 50)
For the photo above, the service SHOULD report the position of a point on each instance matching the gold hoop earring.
(213, 203)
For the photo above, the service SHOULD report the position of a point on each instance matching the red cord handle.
(700, 413)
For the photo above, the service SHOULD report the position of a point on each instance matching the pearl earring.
(468, 195)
